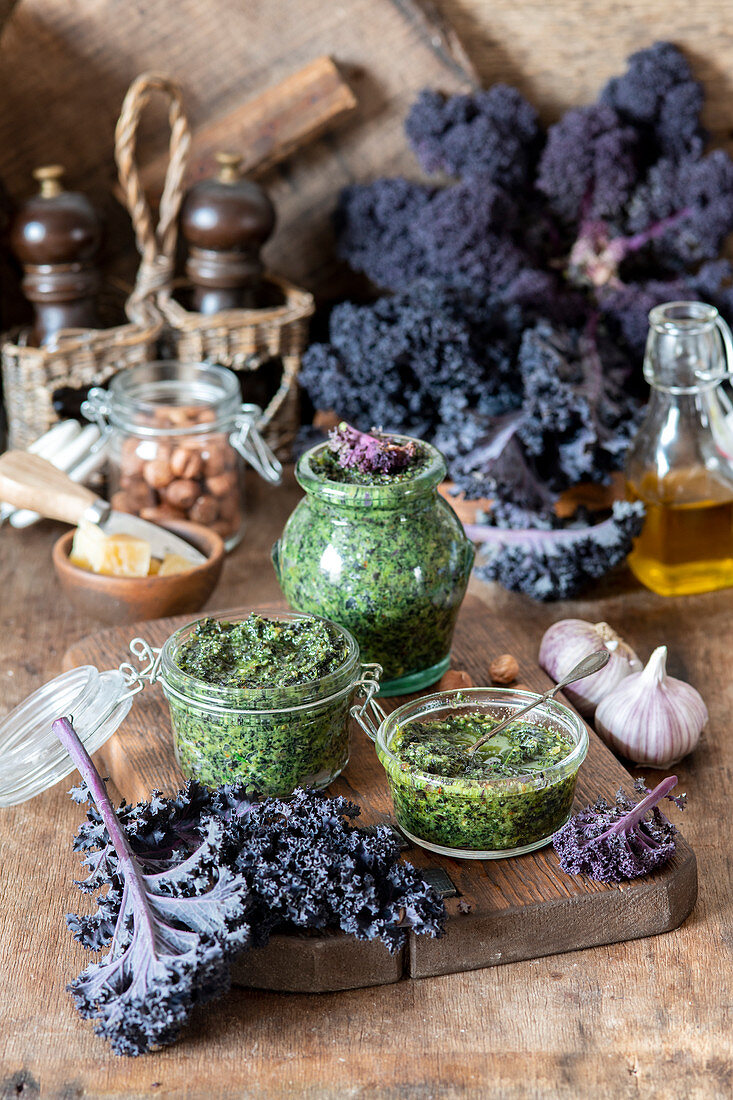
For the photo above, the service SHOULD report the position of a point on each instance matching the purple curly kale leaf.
(174, 932)
(398, 232)
(628, 175)
(625, 306)
(681, 212)
(370, 454)
(305, 865)
(494, 134)
(569, 242)
(573, 423)
(308, 867)
(554, 562)
(589, 166)
(615, 843)
(659, 96)
(375, 230)
(405, 360)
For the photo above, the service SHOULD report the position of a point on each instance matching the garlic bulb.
(650, 717)
(568, 641)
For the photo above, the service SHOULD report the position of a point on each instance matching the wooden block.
(318, 964)
(268, 128)
(520, 908)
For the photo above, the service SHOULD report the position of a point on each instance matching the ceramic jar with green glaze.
(390, 562)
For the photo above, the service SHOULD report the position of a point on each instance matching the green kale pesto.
(388, 562)
(446, 796)
(327, 465)
(248, 702)
(258, 652)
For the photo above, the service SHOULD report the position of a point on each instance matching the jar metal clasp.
(137, 678)
(246, 439)
(369, 713)
(96, 409)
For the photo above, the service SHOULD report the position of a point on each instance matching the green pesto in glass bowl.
(383, 555)
(267, 706)
(509, 800)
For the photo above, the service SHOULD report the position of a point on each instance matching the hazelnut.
(454, 679)
(504, 669)
(216, 458)
(186, 463)
(223, 484)
(122, 502)
(204, 510)
(137, 492)
(224, 528)
(131, 461)
(181, 493)
(158, 473)
(229, 508)
(181, 416)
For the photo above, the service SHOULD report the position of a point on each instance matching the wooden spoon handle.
(28, 481)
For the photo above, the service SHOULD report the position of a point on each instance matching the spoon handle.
(589, 665)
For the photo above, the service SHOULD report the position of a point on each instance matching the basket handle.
(155, 243)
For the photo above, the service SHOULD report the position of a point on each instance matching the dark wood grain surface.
(646, 1018)
(520, 908)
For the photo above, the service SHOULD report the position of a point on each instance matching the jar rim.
(683, 318)
(423, 481)
(273, 698)
(467, 697)
(140, 390)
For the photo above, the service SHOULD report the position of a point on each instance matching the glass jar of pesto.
(389, 560)
(509, 800)
(292, 728)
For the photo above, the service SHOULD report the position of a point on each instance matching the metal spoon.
(594, 662)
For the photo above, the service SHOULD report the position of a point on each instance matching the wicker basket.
(245, 338)
(79, 358)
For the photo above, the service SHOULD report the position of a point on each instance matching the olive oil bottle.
(681, 462)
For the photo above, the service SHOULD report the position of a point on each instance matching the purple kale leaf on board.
(615, 843)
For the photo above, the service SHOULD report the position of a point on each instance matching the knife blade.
(27, 481)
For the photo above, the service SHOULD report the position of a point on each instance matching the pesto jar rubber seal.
(491, 818)
(273, 739)
(389, 561)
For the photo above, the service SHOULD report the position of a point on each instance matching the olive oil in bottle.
(680, 465)
(685, 546)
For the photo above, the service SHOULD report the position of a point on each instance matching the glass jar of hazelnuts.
(178, 438)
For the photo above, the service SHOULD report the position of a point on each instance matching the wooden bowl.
(128, 599)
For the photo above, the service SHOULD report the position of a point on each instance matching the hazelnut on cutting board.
(504, 669)
(454, 679)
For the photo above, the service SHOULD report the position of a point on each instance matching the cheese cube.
(113, 555)
(173, 563)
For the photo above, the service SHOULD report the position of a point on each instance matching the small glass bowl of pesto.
(264, 700)
(506, 799)
(384, 555)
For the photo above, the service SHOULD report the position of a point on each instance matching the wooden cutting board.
(520, 908)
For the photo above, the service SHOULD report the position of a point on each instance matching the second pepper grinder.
(226, 221)
(56, 236)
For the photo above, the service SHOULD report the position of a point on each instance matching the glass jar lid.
(32, 758)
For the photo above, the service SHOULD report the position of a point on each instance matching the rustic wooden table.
(647, 1018)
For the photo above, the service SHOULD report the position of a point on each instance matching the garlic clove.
(566, 642)
(650, 717)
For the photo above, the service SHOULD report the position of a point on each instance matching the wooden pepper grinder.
(56, 236)
(226, 221)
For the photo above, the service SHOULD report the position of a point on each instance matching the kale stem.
(658, 229)
(631, 819)
(132, 873)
